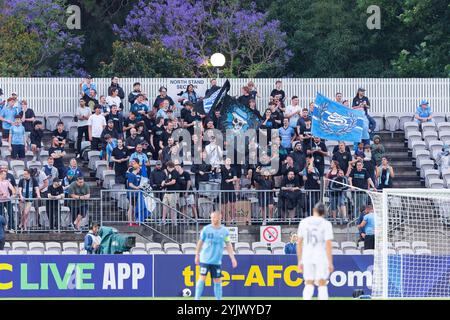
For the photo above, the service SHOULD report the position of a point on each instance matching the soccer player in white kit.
(314, 252)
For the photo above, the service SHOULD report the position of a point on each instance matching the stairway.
(401, 160)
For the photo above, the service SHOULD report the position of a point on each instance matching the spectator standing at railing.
(134, 177)
(170, 198)
(60, 133)
(55, 193)
(423, 112)
(96, 125)
(42, 183)
(28, 190)
(142, 159)
(17, 139)
(228, 179)
(57, 152)
(360, 178)
(291, 246)
(266, 188)
(369, 163)
(289, 165)
(385, 174)
(202, 170)
(82, 115)
(80, 192)
(7, 116)
(120, 159)
(157, 176)
(7, 191)
(311, 178)
(36, 136)
(186, 196)
(290, 195)
(337, 186)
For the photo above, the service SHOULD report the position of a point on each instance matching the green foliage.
(136, 60)
(19, 48)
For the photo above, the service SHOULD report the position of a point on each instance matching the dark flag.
(213, 101)
(237, 117)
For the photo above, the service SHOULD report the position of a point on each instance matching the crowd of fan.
(130, 140)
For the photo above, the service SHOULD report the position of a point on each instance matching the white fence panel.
(402, 95)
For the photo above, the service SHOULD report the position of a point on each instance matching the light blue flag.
(334, 121)
(208, 102)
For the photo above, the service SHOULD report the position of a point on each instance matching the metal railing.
(44, 215)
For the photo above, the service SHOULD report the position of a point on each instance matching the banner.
(210, 103)
(237, 118)
(76, 276)
(260, 276)
(334, 121)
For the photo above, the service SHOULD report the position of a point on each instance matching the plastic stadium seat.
(369, 252)
(423, 251)
(446, 182)
(93, 156)
(404, 120)
(425, 165)
(379, 119)
(3, 252)
(352, 252)
(439, 117)
(38, 116)
(263, 251)
(392, 251)
(53, 246)
(402, 245)
(435, 183)
(419, 245)
(72, 129)
(241, 245)
(277, 245)
(392, 122)
(361, 245)
(19, 245)
(418, 145)
(188, 246)
(256, 245)
(278, 251)
(101, 166)
(66, 118)
(429, 136)
(431, 174)
(17, 252)
(435, 147)
(140, 245)
(157, 252)
(43, 156)
(108, 177)
(443, 126)
(444, 136)
(51, 121)
(138, 251)
(191, 251)
(153, 245)
(70, 245)
(429, 126)
(335, 245)
(244, 251)
(36, 246)
(413, 137)
(410, 125)
(16, 165)
(331, 144)
(171, 246)
(337, 252)
(35, 251)
(405, 251)
(173, 251)
(421, 155)
(348, 244)
(69, 252)
(34, 164)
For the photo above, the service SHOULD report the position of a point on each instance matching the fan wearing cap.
(423, 112)
(7, 116)
(360, 101)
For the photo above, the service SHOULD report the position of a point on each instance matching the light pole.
(217, 61)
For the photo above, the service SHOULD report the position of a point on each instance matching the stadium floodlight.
(218, 60)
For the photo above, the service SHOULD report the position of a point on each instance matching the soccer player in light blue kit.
(209, 254)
